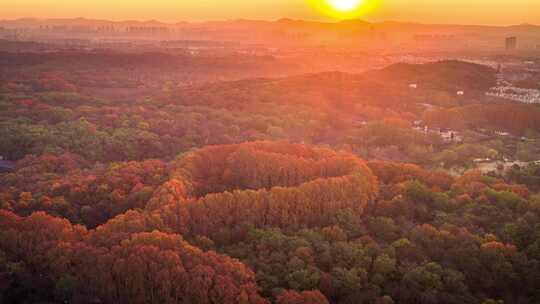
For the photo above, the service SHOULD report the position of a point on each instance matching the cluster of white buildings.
(515, 93)
(506, 90)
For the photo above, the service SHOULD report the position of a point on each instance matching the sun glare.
(344, 9)
(345, 5)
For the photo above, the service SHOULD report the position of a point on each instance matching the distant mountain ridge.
(246, 22)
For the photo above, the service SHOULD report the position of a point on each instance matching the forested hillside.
(264, 221)
(449, 76)
(48, 109)
(143, 178)
(436, 83)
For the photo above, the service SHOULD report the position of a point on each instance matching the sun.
(345, 5)
(345, 9)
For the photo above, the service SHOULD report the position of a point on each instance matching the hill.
(449, 76)
(388, 87)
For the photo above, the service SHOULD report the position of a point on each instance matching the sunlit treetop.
(344, 9)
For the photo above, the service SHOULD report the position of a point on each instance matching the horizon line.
(172, 22)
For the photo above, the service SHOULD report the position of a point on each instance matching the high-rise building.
(511, 43)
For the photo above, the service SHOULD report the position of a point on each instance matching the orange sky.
(495, 12)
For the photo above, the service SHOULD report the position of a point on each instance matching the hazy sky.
(498, 12)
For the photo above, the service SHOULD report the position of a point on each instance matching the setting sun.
(345, 9)
(345, 5)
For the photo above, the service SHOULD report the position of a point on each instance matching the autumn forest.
(166, 176)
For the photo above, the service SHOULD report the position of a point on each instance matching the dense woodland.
(303, 225)
(291, 190)
(135, 114)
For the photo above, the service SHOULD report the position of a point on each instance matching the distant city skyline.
(474, 12)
